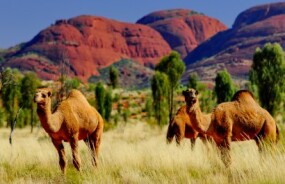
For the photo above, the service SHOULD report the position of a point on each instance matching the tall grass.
(136, 153)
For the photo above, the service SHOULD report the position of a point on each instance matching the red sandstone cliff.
(85, 44)
(183, 29)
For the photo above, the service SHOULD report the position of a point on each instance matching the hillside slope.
(233, 49)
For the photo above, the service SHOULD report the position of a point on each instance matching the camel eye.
(43, 95)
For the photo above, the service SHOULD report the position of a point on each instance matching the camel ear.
(49, 93)
(196, 93)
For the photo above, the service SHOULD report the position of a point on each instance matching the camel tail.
(170, 133)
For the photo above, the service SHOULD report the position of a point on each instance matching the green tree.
(73, 83)
(6, 78)
(148, 107)
(224, 87)
(207, 98)
(114, 77)
(173, 67)
(160, 89)
(2, 117)
(267, 74)
(108, 104)
(193, 81)
(11, 94)
(100, 98)
(29, 84)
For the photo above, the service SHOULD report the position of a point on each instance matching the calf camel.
(74, 119)
(238, 120)
(180, 127)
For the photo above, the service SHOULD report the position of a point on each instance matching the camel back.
(242, 94)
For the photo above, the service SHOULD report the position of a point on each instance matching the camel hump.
(75, 96)
(75, 93)
(242, 94)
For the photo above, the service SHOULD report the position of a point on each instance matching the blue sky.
(21, 20)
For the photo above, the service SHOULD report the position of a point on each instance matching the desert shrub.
(267, 74)
(224, 87)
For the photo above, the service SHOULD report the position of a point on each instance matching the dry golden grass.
(136, 153)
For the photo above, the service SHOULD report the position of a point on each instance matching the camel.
(74, 119)
(238, 120)
(180, 127)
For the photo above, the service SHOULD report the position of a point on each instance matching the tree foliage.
(267, 74)
(160, 89)
(29, 84)
(100, 98)
(114, 77)
(103, 101)
(206, 98)
(224, 87)
(108, 104)
(17, 91)
(11, 94)
(193, 81)
(173, 67)
(6, 78)
(148, 107)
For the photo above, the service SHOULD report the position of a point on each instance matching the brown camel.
(74, 119)
(180, 126)
(239, 120)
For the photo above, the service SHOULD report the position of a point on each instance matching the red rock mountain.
(233, 49)
(85, 44)
(183, 29)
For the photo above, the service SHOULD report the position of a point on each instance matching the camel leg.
(170, 133)
(179, 133)
(61, 153)
(74, 148)
(97, 141)
(178, 138)
(91, 146)
(267, 137)
(224, 147)
(192, 140)
(258, 141)
(204, 139)
(94, 143)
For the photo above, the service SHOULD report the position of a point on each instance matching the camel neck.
(48, 120)
(199, 120)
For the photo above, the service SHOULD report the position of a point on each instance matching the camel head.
(191, 96)
(43, 96)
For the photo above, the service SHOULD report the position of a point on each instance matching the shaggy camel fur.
(74, 119)
(238, 120)
(180, 126)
